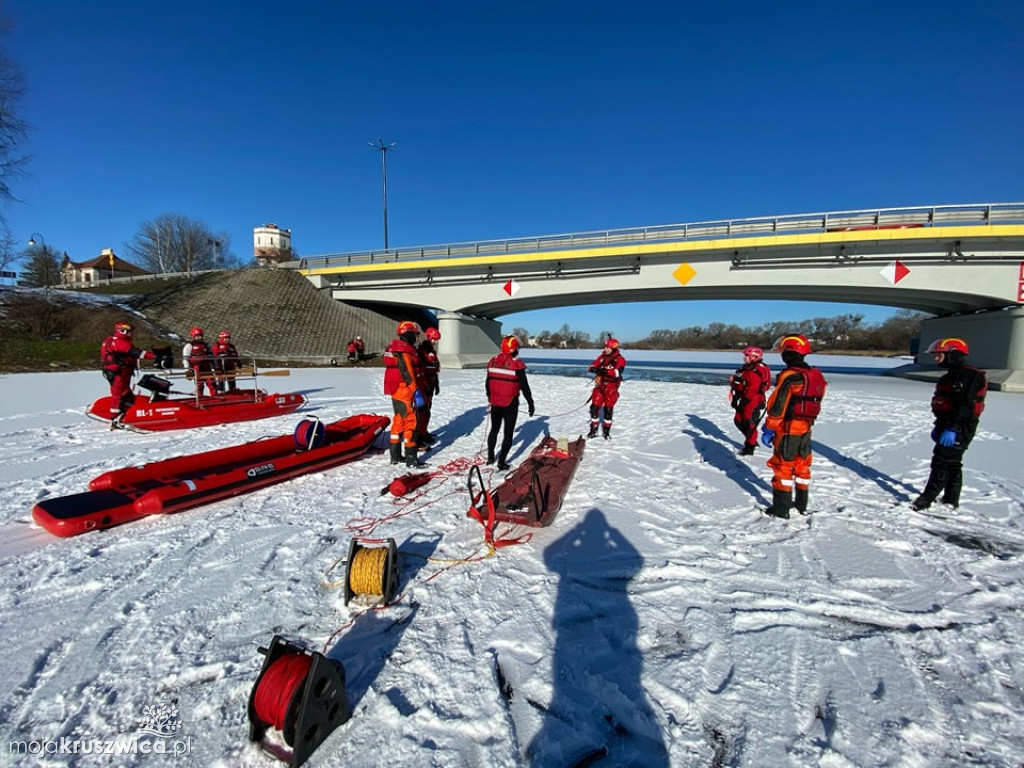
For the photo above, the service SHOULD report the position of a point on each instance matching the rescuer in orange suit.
(792, 408)
(120, 357)
(401, 361)
(198, 357)
(430, 385)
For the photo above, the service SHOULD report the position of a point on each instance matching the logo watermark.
(161, 722)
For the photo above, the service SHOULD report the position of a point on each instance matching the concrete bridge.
(963, 263)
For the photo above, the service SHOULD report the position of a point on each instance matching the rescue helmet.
(611, 343)
(754, 353)
(794, 342)
(123, 329)
(433, 334)
(408, 326)
(224, 336)
(510, 344)
(196, 333)
(942, 346)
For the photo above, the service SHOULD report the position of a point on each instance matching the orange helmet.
(433, 334)
(123, 329)
(611, 343)
(754, 353)
(510, 344)
(224, 336)
(196, 333)
(407, 326)
(793, 343)
(941, 346)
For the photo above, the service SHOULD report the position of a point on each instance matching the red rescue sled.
(172, 485)
(532, 493)
(158, 411)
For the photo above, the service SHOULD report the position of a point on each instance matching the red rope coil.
(278, 686)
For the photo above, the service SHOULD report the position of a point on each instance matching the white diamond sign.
(511, 287)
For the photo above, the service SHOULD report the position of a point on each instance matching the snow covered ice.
(660, 621)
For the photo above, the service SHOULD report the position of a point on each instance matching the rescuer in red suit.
(747, 388)
(226, 360)
(608, 366)
(430, 385)
(198, 358)
(120, 357)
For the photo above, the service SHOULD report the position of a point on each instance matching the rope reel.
(299, 693)
(372, 571)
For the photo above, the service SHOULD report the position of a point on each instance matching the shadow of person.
(526, 434)
(708, 443)
(463, 425)
(598, 714)
(900, 490)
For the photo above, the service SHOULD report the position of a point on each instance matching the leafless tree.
(40, 266)
(13, 129)
(175, 243)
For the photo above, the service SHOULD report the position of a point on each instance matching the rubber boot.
(781, 502)
(606, 432)
(396, 453)
(800, 502)
(936, 483)
(593, 430)
(954, 482)
(411, 459)
(502, 464)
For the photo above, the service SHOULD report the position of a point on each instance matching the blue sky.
(511, 120)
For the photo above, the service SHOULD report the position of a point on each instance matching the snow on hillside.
(660, 621)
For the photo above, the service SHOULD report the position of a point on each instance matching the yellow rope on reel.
(366, 572)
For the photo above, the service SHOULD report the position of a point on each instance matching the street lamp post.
(35, 240)
(384, 179)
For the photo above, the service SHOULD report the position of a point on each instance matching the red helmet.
(793, 343)
(196, 333)
(408, 325)
(611, 343)
(941, 346)
(754, 353)
(509, 344)
(224, 336)
(433, 334)
(123, 329)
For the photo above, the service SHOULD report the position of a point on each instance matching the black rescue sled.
(532, 493)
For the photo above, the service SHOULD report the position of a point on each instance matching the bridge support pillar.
(996, 341)
(466, 342)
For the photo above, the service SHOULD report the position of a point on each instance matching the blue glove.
(767, 437)
(935, 434)
(947, 438)
(417, 399)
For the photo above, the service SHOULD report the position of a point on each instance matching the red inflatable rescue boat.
(172, 485)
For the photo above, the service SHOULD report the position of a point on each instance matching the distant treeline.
(844, 332)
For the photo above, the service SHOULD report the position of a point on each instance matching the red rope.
(278, 685)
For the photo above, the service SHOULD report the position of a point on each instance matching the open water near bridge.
(711, 368)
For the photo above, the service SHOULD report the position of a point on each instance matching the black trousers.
(502, 416)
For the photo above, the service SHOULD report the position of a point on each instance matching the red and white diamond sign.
(511, 287)
(895, 271)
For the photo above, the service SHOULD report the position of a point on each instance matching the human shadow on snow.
(900, 490)
(708, 443)
(599, 713)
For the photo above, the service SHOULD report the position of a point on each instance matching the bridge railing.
(879, 218)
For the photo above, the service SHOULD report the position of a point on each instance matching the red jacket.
(750, 383)
(118, 353)
(502, 384)
(401, 361)
(609, 368)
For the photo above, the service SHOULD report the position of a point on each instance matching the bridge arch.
(952, 261)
